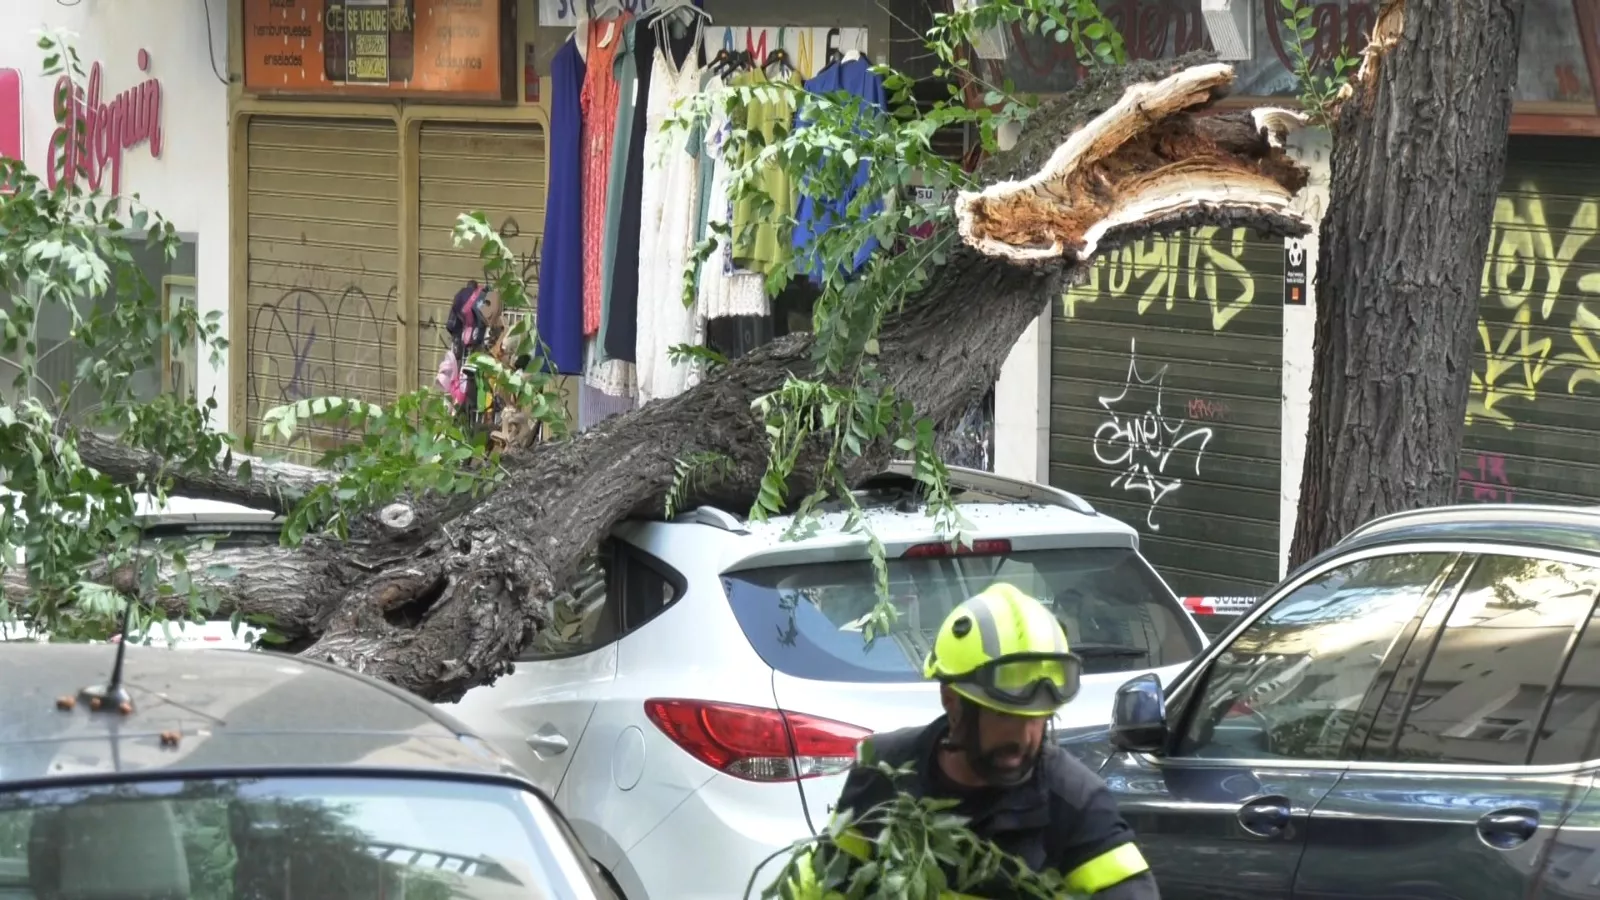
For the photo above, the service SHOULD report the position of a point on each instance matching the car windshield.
(807, 620)
(322, 838)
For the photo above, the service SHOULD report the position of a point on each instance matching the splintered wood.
(1147, 159)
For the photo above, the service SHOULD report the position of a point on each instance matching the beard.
(1005, 765)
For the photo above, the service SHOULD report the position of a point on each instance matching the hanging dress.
(724, 290)
(668, 204)
(559, 305)
(599, 131)
(608, 373)
(621, 314)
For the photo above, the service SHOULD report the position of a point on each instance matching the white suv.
(700, 695)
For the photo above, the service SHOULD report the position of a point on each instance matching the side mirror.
(1139, 716)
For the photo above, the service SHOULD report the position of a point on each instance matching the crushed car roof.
(229, 710)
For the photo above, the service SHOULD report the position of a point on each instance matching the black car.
(231, 774)
(1415, 713)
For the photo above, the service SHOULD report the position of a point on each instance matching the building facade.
(156, 91)
(1172, 387)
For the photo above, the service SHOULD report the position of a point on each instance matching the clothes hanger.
(613, 9)
(662, 10)
(581, 28)
(779, 56)
(857, 52)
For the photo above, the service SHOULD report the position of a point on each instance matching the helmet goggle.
(1034, 682)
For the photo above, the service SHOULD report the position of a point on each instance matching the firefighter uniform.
(1062, 819)
(1005, 652)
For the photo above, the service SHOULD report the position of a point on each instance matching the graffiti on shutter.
(322, 243)
(1534, 409)
(1166, 396)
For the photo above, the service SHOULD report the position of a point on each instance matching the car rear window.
(290, 838)
(806, 620)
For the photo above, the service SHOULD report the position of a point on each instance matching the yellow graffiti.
(1155, 269)
(1526, 270)
(1514, 350)
(1585, 327)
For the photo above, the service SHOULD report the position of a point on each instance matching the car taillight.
(976, 548)
(757, 744)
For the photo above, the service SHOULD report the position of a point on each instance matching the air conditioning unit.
(1231, 24)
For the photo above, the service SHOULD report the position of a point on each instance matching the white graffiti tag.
(1141, 442)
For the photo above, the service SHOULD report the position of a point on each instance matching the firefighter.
(1004, 668)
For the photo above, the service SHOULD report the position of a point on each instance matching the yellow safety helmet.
(1004, 650)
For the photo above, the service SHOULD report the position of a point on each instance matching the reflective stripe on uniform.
(1109, 868)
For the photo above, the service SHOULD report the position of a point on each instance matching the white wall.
(1311, 147)
(1022, 406)
(189, 182)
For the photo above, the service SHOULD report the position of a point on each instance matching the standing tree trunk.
(1419, 148)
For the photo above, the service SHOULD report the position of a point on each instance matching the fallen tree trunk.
(445, 603)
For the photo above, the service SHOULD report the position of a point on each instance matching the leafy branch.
(913, 837)
(1319, 89)
(72, 256)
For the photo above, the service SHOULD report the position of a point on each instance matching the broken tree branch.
(440, 609)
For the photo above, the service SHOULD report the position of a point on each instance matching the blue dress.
(560, 305)
(816, 214)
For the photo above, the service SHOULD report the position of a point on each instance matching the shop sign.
(10, 118)
(11, 113)
(377, 48)
(1295, 272)
(93, 133)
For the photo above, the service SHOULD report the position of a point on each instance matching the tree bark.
(270, 485)
(1419, 150)
(445, 603)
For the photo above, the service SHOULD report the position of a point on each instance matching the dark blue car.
(1413, 714)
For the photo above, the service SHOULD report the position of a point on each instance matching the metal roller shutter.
(1166, 403)
(1533, 417)
(323, 235)
(496, 169)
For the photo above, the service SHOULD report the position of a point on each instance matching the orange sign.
(382, 48)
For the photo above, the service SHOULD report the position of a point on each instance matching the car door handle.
(547, 743)
(1504, 829)
(1266, 817)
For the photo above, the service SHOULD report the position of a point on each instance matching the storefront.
(154, 88)
(1173, 387)
(360, 133)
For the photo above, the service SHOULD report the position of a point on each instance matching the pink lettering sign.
(93, 134)
(11, 113)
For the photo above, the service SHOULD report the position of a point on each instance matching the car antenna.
(113, 696)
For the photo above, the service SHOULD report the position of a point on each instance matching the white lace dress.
(669, 198)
